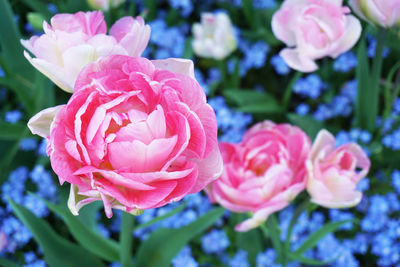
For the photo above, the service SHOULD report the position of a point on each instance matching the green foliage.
(58, 251)
(88, 238)
(163, 244)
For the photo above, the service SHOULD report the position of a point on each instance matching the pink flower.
(74, 40)
(263, 173)
(136, 134)
(385, 13)
(333, 174)
(314, 29)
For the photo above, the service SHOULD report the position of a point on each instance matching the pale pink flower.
(385, 13)
(333, 173)
(136, 134)
(74, 40)
(313, 29)
(263, 173)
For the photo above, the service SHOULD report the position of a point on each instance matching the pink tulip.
(136, 134)
(385, 13)
(314, 29)
(74, 40)
(263, 173)
(333, 173)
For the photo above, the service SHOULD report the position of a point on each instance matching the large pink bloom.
(385, 13)
(263, 173)
(333, 174)
(136, 134)
(314, 29)
(74, 40)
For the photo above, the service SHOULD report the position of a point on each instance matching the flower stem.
(126, 239)
(375, 78)
(299, 210)
(289, 90)
(271, 230)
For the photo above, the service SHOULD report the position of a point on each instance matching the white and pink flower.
(333, 173)
(136, 134)
(313, 29)
(72, 41)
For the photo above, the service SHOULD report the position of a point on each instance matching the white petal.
(41, 122)
(55, 73)
(177, 65)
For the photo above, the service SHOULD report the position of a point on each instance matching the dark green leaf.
(86, 237)
(10, 131)
(162, 217)
(243, 97)
(308, 261)
(58, 252)
(306, 123)
(363, 84)
(315, 237)
(7, 263)
(251, 242)
(40, 7)
(163, 244)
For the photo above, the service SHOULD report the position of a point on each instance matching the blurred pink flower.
(333, 174)
(263, 173)
(314, 29)
(136, 134)
(74, 40)
(385, 13)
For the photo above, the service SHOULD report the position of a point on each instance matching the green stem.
(271, 230)
(126, 239)
(375, 78)
(299, 210)
(389, 96)
(289, 89)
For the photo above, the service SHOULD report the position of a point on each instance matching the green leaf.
(363, 85)
(251, 242)
(315, 237)
(163, 244)
(162, 217)
(252, 101)
(7, 263)
(306, 123)
(308, 261)
(86, 237)
(58, 252)
(11, 131)
(243, 97)
(40, 8)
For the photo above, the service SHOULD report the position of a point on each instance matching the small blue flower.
(13, 116)
(280, 65)
(215, 241)
(345, 62)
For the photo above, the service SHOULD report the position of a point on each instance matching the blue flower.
(280, 65)
(302, 109)
(184, 258)
(239, 259)
(215, 241)
(13, 116)
(28, 144)
(345, 62)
